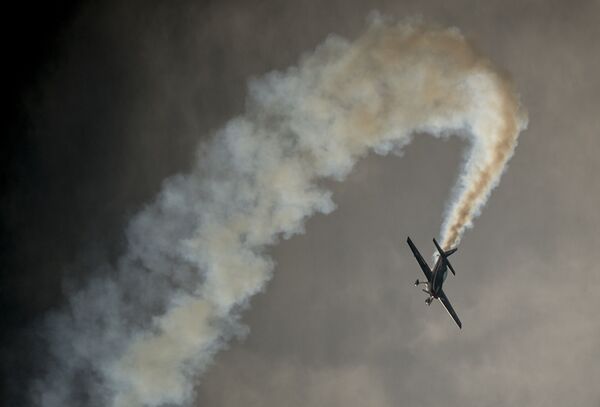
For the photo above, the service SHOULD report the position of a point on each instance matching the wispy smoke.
(494, 131)
(196, 255)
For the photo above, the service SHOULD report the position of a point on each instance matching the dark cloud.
(122, 93)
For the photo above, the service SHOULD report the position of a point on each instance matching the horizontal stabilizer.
(450, 267)
(442, 252)
(445, 255)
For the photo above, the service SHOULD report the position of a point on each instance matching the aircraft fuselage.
(440, 272)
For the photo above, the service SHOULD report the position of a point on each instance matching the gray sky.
(340, 323)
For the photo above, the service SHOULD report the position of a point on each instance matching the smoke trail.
(196, 255)
(495, 130)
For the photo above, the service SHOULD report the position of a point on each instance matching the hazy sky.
(132, 87)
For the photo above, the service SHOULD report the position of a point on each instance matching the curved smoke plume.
(196, 255)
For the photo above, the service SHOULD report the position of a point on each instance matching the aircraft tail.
(445, 254)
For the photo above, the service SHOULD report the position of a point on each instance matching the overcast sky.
(130, 88)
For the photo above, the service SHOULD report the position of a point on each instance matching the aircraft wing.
(444, 300)
(422, 263)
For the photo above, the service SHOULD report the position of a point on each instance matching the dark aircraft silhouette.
(436, 278)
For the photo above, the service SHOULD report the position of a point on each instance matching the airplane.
(436, 277)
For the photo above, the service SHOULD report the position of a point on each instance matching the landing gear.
(429, 300)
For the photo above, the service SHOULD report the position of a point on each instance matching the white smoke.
(196, 255)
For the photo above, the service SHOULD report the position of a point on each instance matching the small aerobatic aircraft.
(436, 277)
